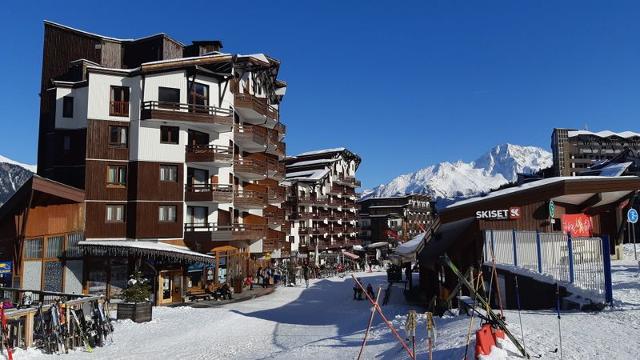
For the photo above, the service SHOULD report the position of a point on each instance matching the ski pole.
(524, 345)
(366, 334)
(558, 310)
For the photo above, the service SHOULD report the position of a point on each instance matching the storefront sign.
(6, 267)
(552, 209)
(511, 213)
(578, 225)
(632, 216)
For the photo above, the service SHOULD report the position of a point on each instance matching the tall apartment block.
(172, 143)
(394, 219)
(574, 151)
(322, 201)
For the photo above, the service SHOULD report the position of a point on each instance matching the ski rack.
(495, 318)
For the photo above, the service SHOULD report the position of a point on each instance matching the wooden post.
(28, 329)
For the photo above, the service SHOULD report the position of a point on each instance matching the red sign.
(514, 213)
(578, 225)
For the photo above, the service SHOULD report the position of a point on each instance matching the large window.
(119, 101)
(115, 213)
(167, 213)
(118, 136)
(168, 97)
(169, 173)
(169, 134)
(33, 248)
(116, 175)
(67, 106)
(198, 96)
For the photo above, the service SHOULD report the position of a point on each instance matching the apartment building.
(172, 143)
(394, 219)
(322, 201)
(575, 151)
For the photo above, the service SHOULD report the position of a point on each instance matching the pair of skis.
(6, 341)
(492, 316)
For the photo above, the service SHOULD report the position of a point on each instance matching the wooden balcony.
(248, 199)
(275, 216)
(219, 193)
(256, 110)
(119, 108)
(275, 146)
(252, 138)
(196, 232)
(281, 129)
(209, 154)
(250, 169)
(275, 168)
(348, 181)
(276, 195)
(311, 200)
(219, 119)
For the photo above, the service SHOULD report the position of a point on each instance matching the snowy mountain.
(12, 175)
(448, 181)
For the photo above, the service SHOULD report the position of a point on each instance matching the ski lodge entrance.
(563, 228)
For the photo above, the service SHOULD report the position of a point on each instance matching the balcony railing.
(119, 108)
(209, 154)
(250, 199)
(276, 194)
(281, 129)
(251, 134)
(274, 215)
(220, 193)
(348, 181)
(250, 167)
(310, 200)
(257, 104)
(209, 231)
(203, 114)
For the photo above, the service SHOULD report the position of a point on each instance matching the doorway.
(170, 289)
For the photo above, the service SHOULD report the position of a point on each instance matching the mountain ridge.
(12, 175)
(447, 181)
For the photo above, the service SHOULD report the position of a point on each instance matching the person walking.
(305, 274)
(259, 275)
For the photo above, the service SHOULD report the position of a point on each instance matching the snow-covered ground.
(323, 322)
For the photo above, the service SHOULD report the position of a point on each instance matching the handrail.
(209, 187)
(206, 148)
(194, 108)
(233, 227)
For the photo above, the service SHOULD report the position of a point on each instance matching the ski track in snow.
(323, 322)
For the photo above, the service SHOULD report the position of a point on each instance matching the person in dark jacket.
(305, 274)
(370, 292)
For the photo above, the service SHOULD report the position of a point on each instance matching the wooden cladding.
(99, 140)
(55, 219)
(250, 199)
(144, 221)
(97, 187)
(222, 155)
(145, 184)
(219, 193)
(256, 104)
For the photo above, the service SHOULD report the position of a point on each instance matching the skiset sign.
(512, 213)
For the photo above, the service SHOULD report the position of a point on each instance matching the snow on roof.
(150, 246)
(124, 71)
(107, 37)
(186, 58)
(322, 151)
(533, 185)
(312, 162)
(411, 247)
(603, 134)
(308, 175)
(260, 57)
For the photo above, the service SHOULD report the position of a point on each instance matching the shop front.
(528, 225)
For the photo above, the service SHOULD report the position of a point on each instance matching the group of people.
(358, 293)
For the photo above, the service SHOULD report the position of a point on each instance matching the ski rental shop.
(561, 230)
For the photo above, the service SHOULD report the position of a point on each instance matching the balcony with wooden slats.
(348, 181)
(250, 169)
(275, 145)
(218, 193)
(252, 138)
(213, 155)
(219, 119)
(275, 216)
(276, 195)
(256, 110)
(249, 199)
(207, 232)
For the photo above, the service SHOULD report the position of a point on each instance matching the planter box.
(138, 312)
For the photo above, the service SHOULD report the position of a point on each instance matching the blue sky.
(403, 84)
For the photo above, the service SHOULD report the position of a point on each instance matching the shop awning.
(350, 255)
(411, 248)
(149, 249)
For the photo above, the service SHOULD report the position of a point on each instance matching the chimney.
(198, 48)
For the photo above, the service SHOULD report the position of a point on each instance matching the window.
(168, 97)
(33, 248)
(167, 213)
(67, 106)
(66, 143)
(169, 173)
(119, 101)
(169, 134)
(198, 97)
(55, 245)
(115, 213)
(118, 136)
(116, 175)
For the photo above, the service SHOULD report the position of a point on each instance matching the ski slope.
(323, 322)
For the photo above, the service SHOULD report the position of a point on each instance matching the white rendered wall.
(79, 119)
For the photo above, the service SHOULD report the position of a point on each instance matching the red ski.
(5, 333)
